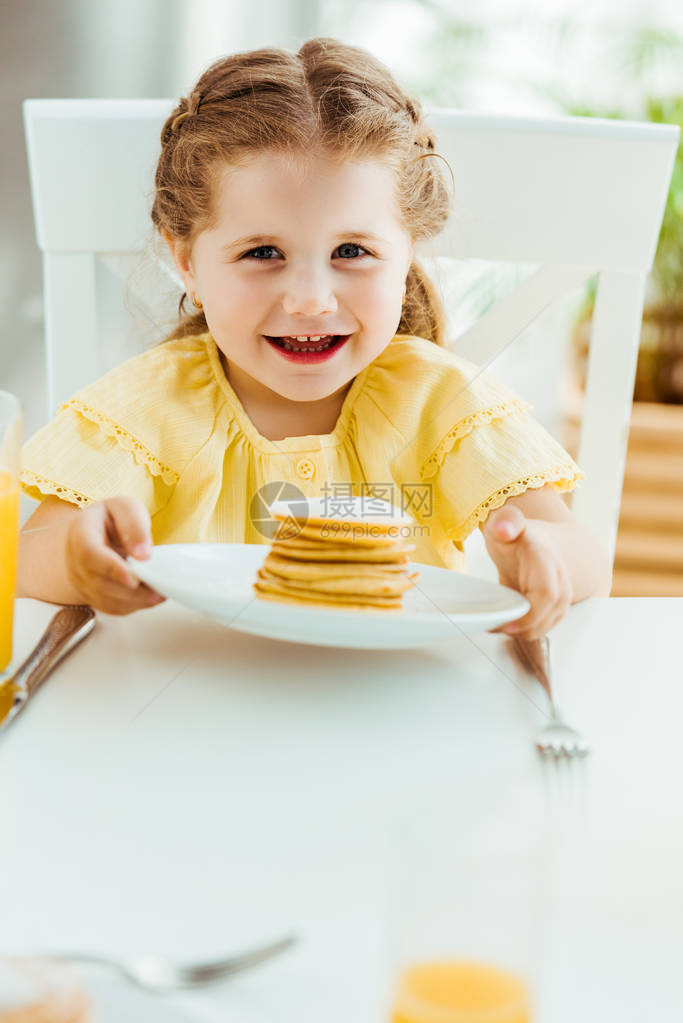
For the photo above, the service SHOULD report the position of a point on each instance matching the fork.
(158, 974)
(557, 739)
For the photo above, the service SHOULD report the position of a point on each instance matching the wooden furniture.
(548, 191)
(648, 560)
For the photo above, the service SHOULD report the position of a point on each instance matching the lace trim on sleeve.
(46, 486)
(465, 426)
(563, 478)
(127, 441)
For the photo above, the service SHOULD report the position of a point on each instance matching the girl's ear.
(180, 258)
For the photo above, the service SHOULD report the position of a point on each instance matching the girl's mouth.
(312, 349)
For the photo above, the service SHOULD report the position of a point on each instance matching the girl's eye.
(349, 250)
(258, 253)
(265, 253)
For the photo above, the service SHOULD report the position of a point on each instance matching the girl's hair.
(329, 98)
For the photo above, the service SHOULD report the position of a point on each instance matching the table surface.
(183, 788)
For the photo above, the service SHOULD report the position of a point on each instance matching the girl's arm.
(42, 569)
(542, 550)
(69, 555)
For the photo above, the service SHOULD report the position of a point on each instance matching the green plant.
(636, 72)
(667, 269)
(668, 265)
(634, 60)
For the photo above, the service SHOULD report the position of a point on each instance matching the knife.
(534, 656)
(69, 626)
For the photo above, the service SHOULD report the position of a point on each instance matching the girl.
(292, 190)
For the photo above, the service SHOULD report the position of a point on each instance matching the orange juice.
(9, 534)
(460, 992)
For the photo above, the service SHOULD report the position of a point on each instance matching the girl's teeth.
(307, 343)
(303, 338)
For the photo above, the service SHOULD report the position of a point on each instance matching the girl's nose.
(309, 296)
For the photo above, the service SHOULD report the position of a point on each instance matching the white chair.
(573, 196)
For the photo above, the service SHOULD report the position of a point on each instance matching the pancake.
(327, 569)
(329, 604)
(321, 550)
(346, 603)
(355, 533)
(366, 586)
(349, 561)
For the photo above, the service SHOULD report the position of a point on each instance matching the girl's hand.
(528, 561)
(97, 541)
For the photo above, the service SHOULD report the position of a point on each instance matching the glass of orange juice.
(10, 454)
(460, 991)
(469, 908)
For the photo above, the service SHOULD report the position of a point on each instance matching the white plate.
(217, 579)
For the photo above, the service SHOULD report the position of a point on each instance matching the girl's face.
(301, 248)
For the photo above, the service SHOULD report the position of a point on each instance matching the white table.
(188, 789)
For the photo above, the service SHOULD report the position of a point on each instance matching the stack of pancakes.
(345, 560)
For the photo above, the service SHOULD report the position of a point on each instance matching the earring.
(196, 301)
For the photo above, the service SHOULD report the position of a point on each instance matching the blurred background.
(554, 58)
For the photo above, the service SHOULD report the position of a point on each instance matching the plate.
(217, 580)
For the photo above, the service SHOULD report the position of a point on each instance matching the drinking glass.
(10, 454)
(469, 923)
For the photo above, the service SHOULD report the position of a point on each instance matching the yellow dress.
(419, 426)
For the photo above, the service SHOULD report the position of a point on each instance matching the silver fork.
(557, 739)
(158, 974)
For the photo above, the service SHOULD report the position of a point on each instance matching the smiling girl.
(301, 279)
(292, 191)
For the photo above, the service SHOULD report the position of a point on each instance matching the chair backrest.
(573, 196)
